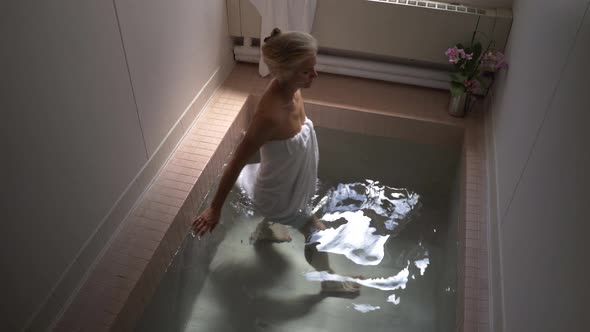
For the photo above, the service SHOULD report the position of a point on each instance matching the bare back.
(284, 116)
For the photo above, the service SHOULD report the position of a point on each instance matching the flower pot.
(470, 102)
(457, 104)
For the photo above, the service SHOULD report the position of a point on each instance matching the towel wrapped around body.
(282, 185)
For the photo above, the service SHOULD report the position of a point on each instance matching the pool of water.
(391, 209)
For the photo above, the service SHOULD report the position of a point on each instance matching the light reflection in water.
(422, 264)
(393, 299)
(364, 308)
(368, 214)
(398, 281)
(393, 204)
(363, 207)
(355, 239)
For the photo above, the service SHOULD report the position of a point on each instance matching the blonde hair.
(283, 52)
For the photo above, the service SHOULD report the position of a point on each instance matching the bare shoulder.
(266, 110)
(263, 124)
(263, 120)
(271, 99)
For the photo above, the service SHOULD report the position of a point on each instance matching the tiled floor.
(126, 277)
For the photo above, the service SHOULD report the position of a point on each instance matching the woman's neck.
(287, 90)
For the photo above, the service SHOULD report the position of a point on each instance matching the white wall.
(81, 121)
(540, 143)
(172, 48)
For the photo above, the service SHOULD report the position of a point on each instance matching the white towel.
(282, 185)
(287, 15)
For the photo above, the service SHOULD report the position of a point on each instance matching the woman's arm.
(254, 138)
(259, 132)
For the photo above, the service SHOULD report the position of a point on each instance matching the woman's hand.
(206, 221)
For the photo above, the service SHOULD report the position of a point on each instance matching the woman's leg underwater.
(320, 262)
(270, 232)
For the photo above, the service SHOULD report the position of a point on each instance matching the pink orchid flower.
(501, 62)
(493, 61)
(471, 85)
(453, 54)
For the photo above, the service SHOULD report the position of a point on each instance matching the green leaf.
(476, 51)
(485, 81)
(457, 89)
(458, 77)
(470, 69)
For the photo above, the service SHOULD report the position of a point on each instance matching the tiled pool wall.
(474, 232)
(126, 277)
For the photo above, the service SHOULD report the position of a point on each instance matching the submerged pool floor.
(395, 234)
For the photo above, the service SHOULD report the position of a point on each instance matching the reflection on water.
(387, 284)
(364, 308)
(393, 299)
(242, 204)
(361, 217)
(422, 264)
(391, 206)
(355, 239)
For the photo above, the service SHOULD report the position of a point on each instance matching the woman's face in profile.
(305, 73)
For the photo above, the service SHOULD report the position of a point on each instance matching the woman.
(286, 177)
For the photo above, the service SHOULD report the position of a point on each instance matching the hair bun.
(275, 32)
